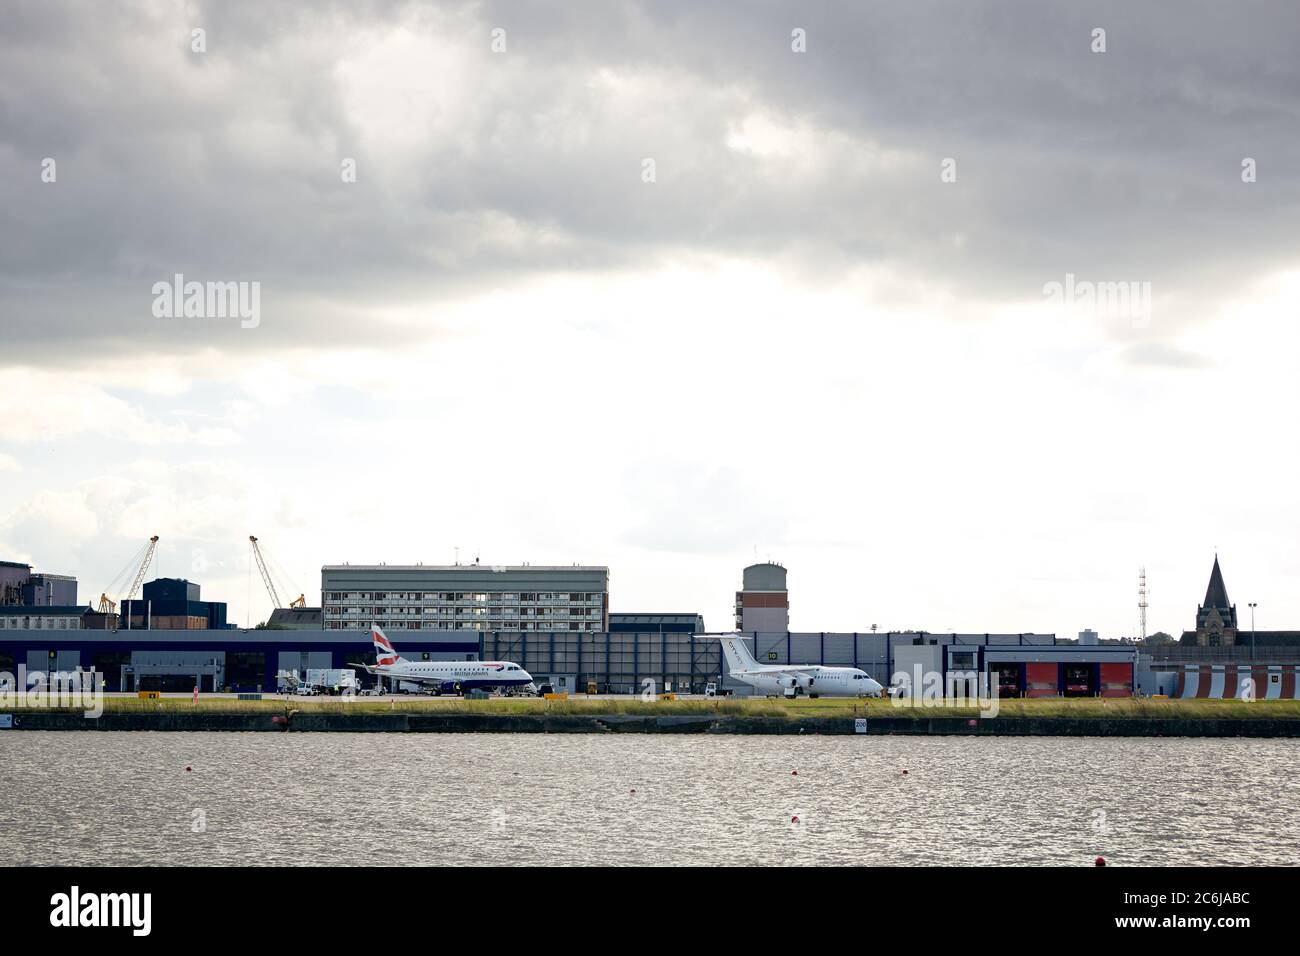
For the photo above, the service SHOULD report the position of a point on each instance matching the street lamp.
(1253, 605)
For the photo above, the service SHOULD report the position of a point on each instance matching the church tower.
(1216, 619)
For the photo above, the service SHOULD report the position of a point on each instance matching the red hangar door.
(1116, 680)
(1042, 680)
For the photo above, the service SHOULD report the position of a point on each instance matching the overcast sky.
(641, 284)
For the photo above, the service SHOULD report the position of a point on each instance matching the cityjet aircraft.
(791, 680)
(444, 677)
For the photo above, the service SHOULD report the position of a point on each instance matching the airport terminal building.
(614, 661)
(622, 662)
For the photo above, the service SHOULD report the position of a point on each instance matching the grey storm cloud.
(478, 169)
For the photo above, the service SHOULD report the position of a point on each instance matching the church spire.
(1216, 595)
(1216, 619)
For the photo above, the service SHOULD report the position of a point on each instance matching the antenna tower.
(1142, 604)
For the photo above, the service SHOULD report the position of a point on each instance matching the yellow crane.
(144, 566)
(134, 572)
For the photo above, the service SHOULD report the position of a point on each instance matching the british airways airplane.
(445, 677)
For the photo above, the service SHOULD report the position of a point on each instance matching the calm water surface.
(126, 798)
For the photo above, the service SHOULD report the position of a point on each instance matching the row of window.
(446, 597)
(556, 626)
(462, 612)
(37, 623)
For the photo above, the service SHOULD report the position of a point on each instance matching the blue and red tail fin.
(385, 653)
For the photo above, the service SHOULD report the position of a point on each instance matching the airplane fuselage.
(467, 675)
(811, 680)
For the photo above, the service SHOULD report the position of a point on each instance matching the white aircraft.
(791, 680)
(446, 677)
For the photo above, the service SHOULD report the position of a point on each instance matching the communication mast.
(1142, 604)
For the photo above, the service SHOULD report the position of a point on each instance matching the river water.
(127, 798)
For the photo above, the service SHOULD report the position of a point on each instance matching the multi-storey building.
(465, 597)
(19, 585)
(13, 574)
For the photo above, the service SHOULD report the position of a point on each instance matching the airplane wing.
(777, 670)
(436, 679)
(799, 673)
(409, 678)
(419, 678)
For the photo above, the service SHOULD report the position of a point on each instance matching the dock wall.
(302, 722)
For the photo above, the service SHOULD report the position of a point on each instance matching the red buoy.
(794, 773)
(1100, 861)
(794, 819)
(188, 769)
(972, 722)
(904, 773)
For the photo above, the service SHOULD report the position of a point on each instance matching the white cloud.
(47, 406)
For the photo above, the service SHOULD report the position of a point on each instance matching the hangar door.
(1116, 680)
(1042, 680)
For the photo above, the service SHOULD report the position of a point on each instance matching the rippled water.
(126, 798)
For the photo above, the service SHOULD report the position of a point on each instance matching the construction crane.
(144, 566)
(134, 572)
(266, 575)
(299, 601)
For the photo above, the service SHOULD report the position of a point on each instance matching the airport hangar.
(664, 649)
